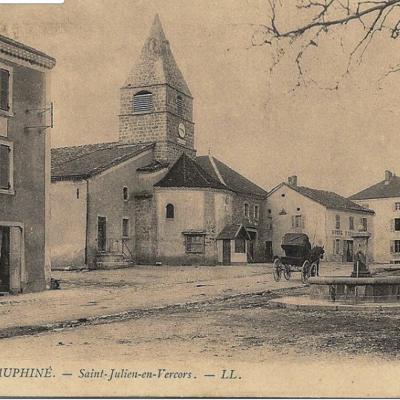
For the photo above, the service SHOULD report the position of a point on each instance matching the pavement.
(102, 294)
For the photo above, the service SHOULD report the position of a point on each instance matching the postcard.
(199, 198)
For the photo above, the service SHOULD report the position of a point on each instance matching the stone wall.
(146, 230)
(159, 125)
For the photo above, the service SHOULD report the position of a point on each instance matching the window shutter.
(293, 221)
(143, 102)
(4, 89)
(303, 221)
(392, 246)
(392, 222)
(4, 167)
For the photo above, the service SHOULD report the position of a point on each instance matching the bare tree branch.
(318, 18)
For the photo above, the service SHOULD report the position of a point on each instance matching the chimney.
(388, 177)
(292, 180)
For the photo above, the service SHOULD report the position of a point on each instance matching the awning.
(234, 231)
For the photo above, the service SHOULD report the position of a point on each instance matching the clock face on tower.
(181, 131)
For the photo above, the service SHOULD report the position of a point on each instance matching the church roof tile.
(187, 173)
(81, 162)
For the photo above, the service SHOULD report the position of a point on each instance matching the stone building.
(148, 198)
(384, 198)
(327, 218)
(24, 167)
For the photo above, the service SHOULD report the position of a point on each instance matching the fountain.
(360, 290)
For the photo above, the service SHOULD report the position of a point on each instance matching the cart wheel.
(276, 270)
(314, 269)
(305, 271)
(286, 272)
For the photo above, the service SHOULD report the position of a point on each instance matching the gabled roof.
(25, 53)
(380, 190)
(327, 199)
(156, 64)
(187, 173)
(232, 179)
(81, 162)
(233, 231)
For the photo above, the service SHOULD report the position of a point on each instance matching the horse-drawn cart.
(299, 257)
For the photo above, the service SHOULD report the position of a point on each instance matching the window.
(337, 217)
(246, 210)
(364, 223)
(297, 221)
(395, 246)
(397, 206)
(6, 167)
(397, 224)
(179, 105)
(194, 243)
(143, 102)
(351, 223)
(77, 193)
(3, 126)
(256, 212)
(240, 246)
(125, 227)
(170, 211)
(125, 193)
(5, 89)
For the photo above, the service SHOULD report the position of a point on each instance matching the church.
(149, 198)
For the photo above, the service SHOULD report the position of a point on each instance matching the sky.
(246, 116)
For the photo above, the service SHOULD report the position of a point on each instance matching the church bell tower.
(156, 103)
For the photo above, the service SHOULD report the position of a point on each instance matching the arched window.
(169, 211)
(143, 102)
(125, 193)
(179, 105)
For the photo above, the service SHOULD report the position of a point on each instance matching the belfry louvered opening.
(179, 105)
(142, 102)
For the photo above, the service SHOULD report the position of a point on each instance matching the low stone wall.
(351, 290)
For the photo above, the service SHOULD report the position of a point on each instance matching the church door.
(101, 234)
(226, 252)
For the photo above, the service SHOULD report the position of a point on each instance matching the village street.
(200, 320)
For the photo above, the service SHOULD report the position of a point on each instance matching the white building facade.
(327, 218)
(384, 199)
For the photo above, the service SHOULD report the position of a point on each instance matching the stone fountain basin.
(347, 290)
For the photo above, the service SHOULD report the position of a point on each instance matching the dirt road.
(272, 352)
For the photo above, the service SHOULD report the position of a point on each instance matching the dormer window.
(170, 211)
(143, 102)
(179, 105)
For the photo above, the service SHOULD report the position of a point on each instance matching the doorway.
(226, 252)
(5, 258)
(348, 250)
(101, 234)
(251, 246)
(268, 251)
